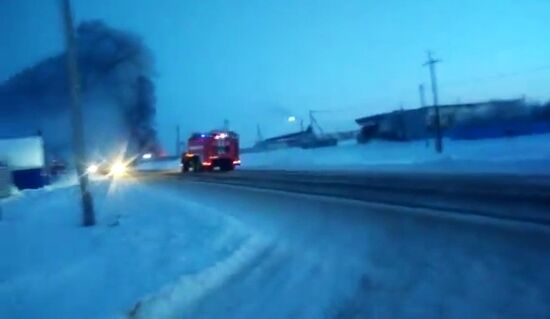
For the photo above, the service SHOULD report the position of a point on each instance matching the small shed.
(24, 158)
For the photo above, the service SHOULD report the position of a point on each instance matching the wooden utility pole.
(259, 136)
(88, 215)
(437, 121)
(422, 95)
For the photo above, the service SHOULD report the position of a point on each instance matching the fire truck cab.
(209, 151)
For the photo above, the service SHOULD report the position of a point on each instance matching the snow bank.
(156, 165)
(146, 239)
(188, 290)
(527, 154)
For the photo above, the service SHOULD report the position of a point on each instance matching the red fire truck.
(210, 151)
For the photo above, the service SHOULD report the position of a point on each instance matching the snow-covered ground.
(165, 248)
(147, 244)
(526, 154)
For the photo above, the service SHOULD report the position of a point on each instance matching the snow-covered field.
(146, 244)
(526, 154)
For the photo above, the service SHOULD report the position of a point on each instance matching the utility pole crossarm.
(431, 59)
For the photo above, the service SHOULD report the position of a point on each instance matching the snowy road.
(332, 257)
(504, 196)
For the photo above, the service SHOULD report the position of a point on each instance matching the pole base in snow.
(88, 217)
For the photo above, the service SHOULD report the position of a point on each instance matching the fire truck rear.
(210, 151)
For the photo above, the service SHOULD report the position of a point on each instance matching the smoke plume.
(117, 91)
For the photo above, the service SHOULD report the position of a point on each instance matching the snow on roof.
(22, 152)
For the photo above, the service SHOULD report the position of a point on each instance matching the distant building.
(24, 157)
(400, 125)
(286, 140)
(455, 119)
(302, 139)
(452, 115)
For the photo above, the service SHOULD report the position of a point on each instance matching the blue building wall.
(497, 130)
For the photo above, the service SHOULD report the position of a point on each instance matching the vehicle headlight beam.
(92, 169)
(118, 169)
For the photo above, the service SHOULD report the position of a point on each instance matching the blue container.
(29, 178)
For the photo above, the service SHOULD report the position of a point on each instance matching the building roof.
(291, 136)
(16, 135)
(363, 121)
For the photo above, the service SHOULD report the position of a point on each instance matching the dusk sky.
(258, 62)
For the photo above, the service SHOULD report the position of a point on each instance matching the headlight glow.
(92, 169)
(118, 169)
(147, 156)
